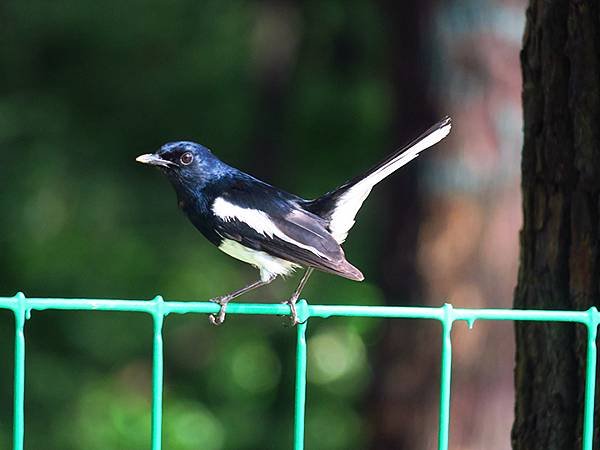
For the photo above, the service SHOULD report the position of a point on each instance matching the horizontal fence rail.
(159, 309)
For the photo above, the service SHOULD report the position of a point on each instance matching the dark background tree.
(559, 267)
(398, 409)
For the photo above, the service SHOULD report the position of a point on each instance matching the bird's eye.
(186, 158)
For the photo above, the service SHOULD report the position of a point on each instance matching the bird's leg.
(223, 300)
(296, 294)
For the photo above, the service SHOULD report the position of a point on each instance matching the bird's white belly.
(268, 265)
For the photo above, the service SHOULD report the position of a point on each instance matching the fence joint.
(302, 310)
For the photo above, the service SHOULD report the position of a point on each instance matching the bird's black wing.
(264, 218)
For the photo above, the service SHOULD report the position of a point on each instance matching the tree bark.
(559, 241)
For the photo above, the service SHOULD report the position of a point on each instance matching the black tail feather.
(325, 205)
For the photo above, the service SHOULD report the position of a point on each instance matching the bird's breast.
(201, 218)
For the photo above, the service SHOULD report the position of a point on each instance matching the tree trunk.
(400, 410)
(559, 241)
(274, 55)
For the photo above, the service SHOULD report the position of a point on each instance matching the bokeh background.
(304, 94)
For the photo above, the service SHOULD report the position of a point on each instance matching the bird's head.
(185, 163)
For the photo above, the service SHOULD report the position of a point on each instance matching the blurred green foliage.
(87, 86)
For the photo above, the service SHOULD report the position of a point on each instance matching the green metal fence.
(159, 309)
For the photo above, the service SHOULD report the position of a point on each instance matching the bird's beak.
(153, 160)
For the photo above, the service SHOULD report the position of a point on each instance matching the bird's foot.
(219, 318)
(293, 319)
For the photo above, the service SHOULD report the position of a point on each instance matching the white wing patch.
(258, 220)
(342, 218)
(268, 265)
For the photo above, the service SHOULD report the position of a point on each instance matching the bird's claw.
(293, 319)
(219, 318)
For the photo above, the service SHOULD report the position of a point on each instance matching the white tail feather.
(347, 205)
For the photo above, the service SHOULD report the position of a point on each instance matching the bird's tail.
(339, 207)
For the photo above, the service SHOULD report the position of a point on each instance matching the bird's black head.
(187, 165)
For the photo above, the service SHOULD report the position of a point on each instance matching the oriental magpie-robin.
(262, 225)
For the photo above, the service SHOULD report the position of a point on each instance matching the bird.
(273, 230)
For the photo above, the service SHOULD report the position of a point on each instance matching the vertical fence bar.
(299, 410)
(157, 374)
(590, 381)
(444, 420)
(19, 394)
